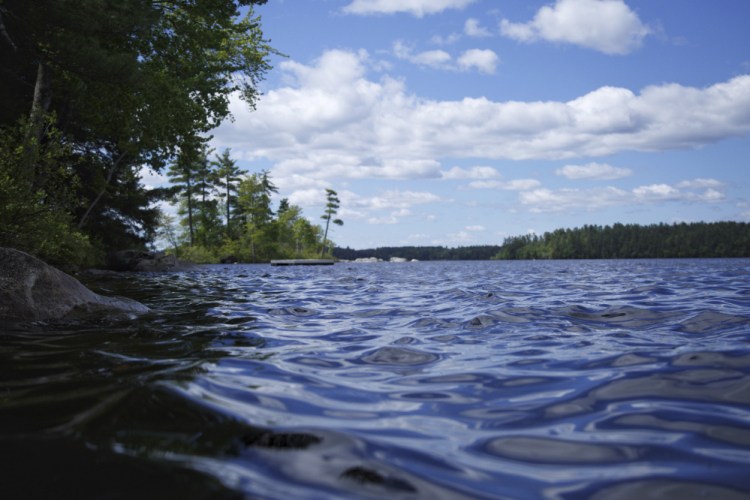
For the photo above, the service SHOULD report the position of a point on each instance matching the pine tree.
(332, 206)
(228, 177)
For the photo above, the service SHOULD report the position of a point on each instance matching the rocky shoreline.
(31, 290)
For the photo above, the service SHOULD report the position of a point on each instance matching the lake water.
(545, 379)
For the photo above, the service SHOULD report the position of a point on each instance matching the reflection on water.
(604, 379)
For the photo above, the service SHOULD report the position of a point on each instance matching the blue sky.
(462, 122)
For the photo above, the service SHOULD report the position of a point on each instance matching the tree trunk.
(325, 236)
(229, 232)
(190, 212)
(39, 107)
(103, 190)
(4, 32)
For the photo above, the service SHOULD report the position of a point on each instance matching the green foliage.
(198, 255)
(117, 85)
(256, 234)
(332, 206)
(632, 241)
(34, 214)
(228, 177)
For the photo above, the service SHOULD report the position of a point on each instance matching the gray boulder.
(136, 260)
(31, 290)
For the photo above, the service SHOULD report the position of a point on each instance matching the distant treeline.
(632, 241)
(620, 241)
(484, 252)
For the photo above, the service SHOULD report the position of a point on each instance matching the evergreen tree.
(185, 173)
(332, 206)
(254, 205)
(228, 176)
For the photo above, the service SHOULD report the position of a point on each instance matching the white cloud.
(476, 228)
(474, 29)
(484, 60)
(390, 200)
(388, 207)
(151, 179)
(430, 58)
(445, 40)
(600, 171)
(700, 183)
(608, 26)
(656, 192)
(392, 218)
(566, 200)
(333, 122)
(307, 197)
(521, 184)
(711, 195)
(461, 237)
(418, 8)
(471, 173)
(514, 185)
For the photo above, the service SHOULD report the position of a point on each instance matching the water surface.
(555, 379)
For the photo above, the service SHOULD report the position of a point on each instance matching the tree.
(166, 230)
(121, 83)
(184, 174)
(254, 204)
(332, 206)
(297, 237)
(227, 180)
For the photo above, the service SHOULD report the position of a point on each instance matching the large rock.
(136, 260)
(31, 290)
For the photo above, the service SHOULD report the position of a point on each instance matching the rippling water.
(562, 379)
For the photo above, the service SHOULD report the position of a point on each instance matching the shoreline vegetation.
(620, 241)
(98, 92)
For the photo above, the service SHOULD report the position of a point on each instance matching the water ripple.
(606, 379)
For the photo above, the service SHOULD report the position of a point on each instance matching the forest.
(479, 252)
(96, 91)
(620, 241)
(633, 241)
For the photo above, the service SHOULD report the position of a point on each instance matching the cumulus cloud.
(609, 26)
(598, 171)
(566, 200)
(418, 8)
(470, 173)
(387, 207)
(484, 60)
(332, 121)
(474, 29)
(430, 58)
(394, 199)
(656, 192)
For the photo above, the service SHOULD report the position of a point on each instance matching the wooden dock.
(302, 262)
